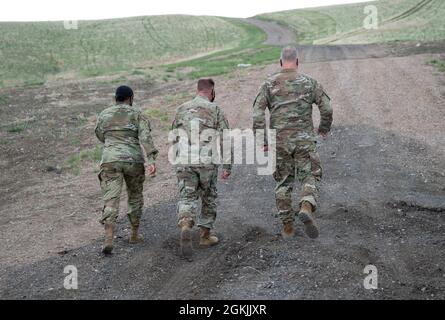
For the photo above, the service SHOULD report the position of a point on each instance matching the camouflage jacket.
(207, 115)
(289, 96)
(123, 129)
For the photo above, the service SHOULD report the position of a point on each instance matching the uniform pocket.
(317, 170)
(110, 182)
(107, 174)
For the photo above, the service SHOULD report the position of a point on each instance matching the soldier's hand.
(323, 134)
(225, 174)
(151, 170)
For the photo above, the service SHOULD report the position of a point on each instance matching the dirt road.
(281, 36)
(276, 35)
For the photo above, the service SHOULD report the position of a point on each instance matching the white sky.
(41, 10)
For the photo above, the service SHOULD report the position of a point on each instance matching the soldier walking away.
(198, 181)
(124, 130)
(289, 97)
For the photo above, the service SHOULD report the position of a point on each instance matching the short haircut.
(123, 93)
(206, 85)
(289, 53)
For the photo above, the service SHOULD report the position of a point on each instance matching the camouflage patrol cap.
(123, 93)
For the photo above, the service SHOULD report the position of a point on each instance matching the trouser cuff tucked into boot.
(135, 237)
(186, 221)
(311, 200)
(109, 215)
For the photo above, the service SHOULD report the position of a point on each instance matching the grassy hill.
(400, 20)
(181, 46)
(30, 52)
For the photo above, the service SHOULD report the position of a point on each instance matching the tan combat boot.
(185, 241)
(207, 240)
(288, 230)
(306, 216)
(109, 237)
(135, 237)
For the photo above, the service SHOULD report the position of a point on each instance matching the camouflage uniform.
(198, 181)
(123, 129)
(289, 96)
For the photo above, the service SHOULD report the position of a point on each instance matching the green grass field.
(399, 20)
(438, 63)
(177, 47)
(34, 51)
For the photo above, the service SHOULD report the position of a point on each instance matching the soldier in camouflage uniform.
(289, 97)
(197, 181)
(124, 129)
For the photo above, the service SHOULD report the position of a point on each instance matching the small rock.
(62, 253)
(56, 169)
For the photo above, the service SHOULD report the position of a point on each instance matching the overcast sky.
(41, 10)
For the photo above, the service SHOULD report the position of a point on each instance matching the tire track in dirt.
(278, 35)
(411, 11)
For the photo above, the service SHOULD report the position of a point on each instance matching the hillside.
(33, 51)
(179, 47)
(400, 20)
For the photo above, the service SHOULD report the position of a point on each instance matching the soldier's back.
(119, 118)
(120, 127)
(199, 119)
(292, 95)
(198, 109)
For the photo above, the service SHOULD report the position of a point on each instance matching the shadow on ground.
(375, 210)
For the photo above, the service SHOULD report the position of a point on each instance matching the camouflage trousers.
(112, 177)
(299, 160)
(195, 184)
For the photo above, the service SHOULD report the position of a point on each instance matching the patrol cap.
(123, 93)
